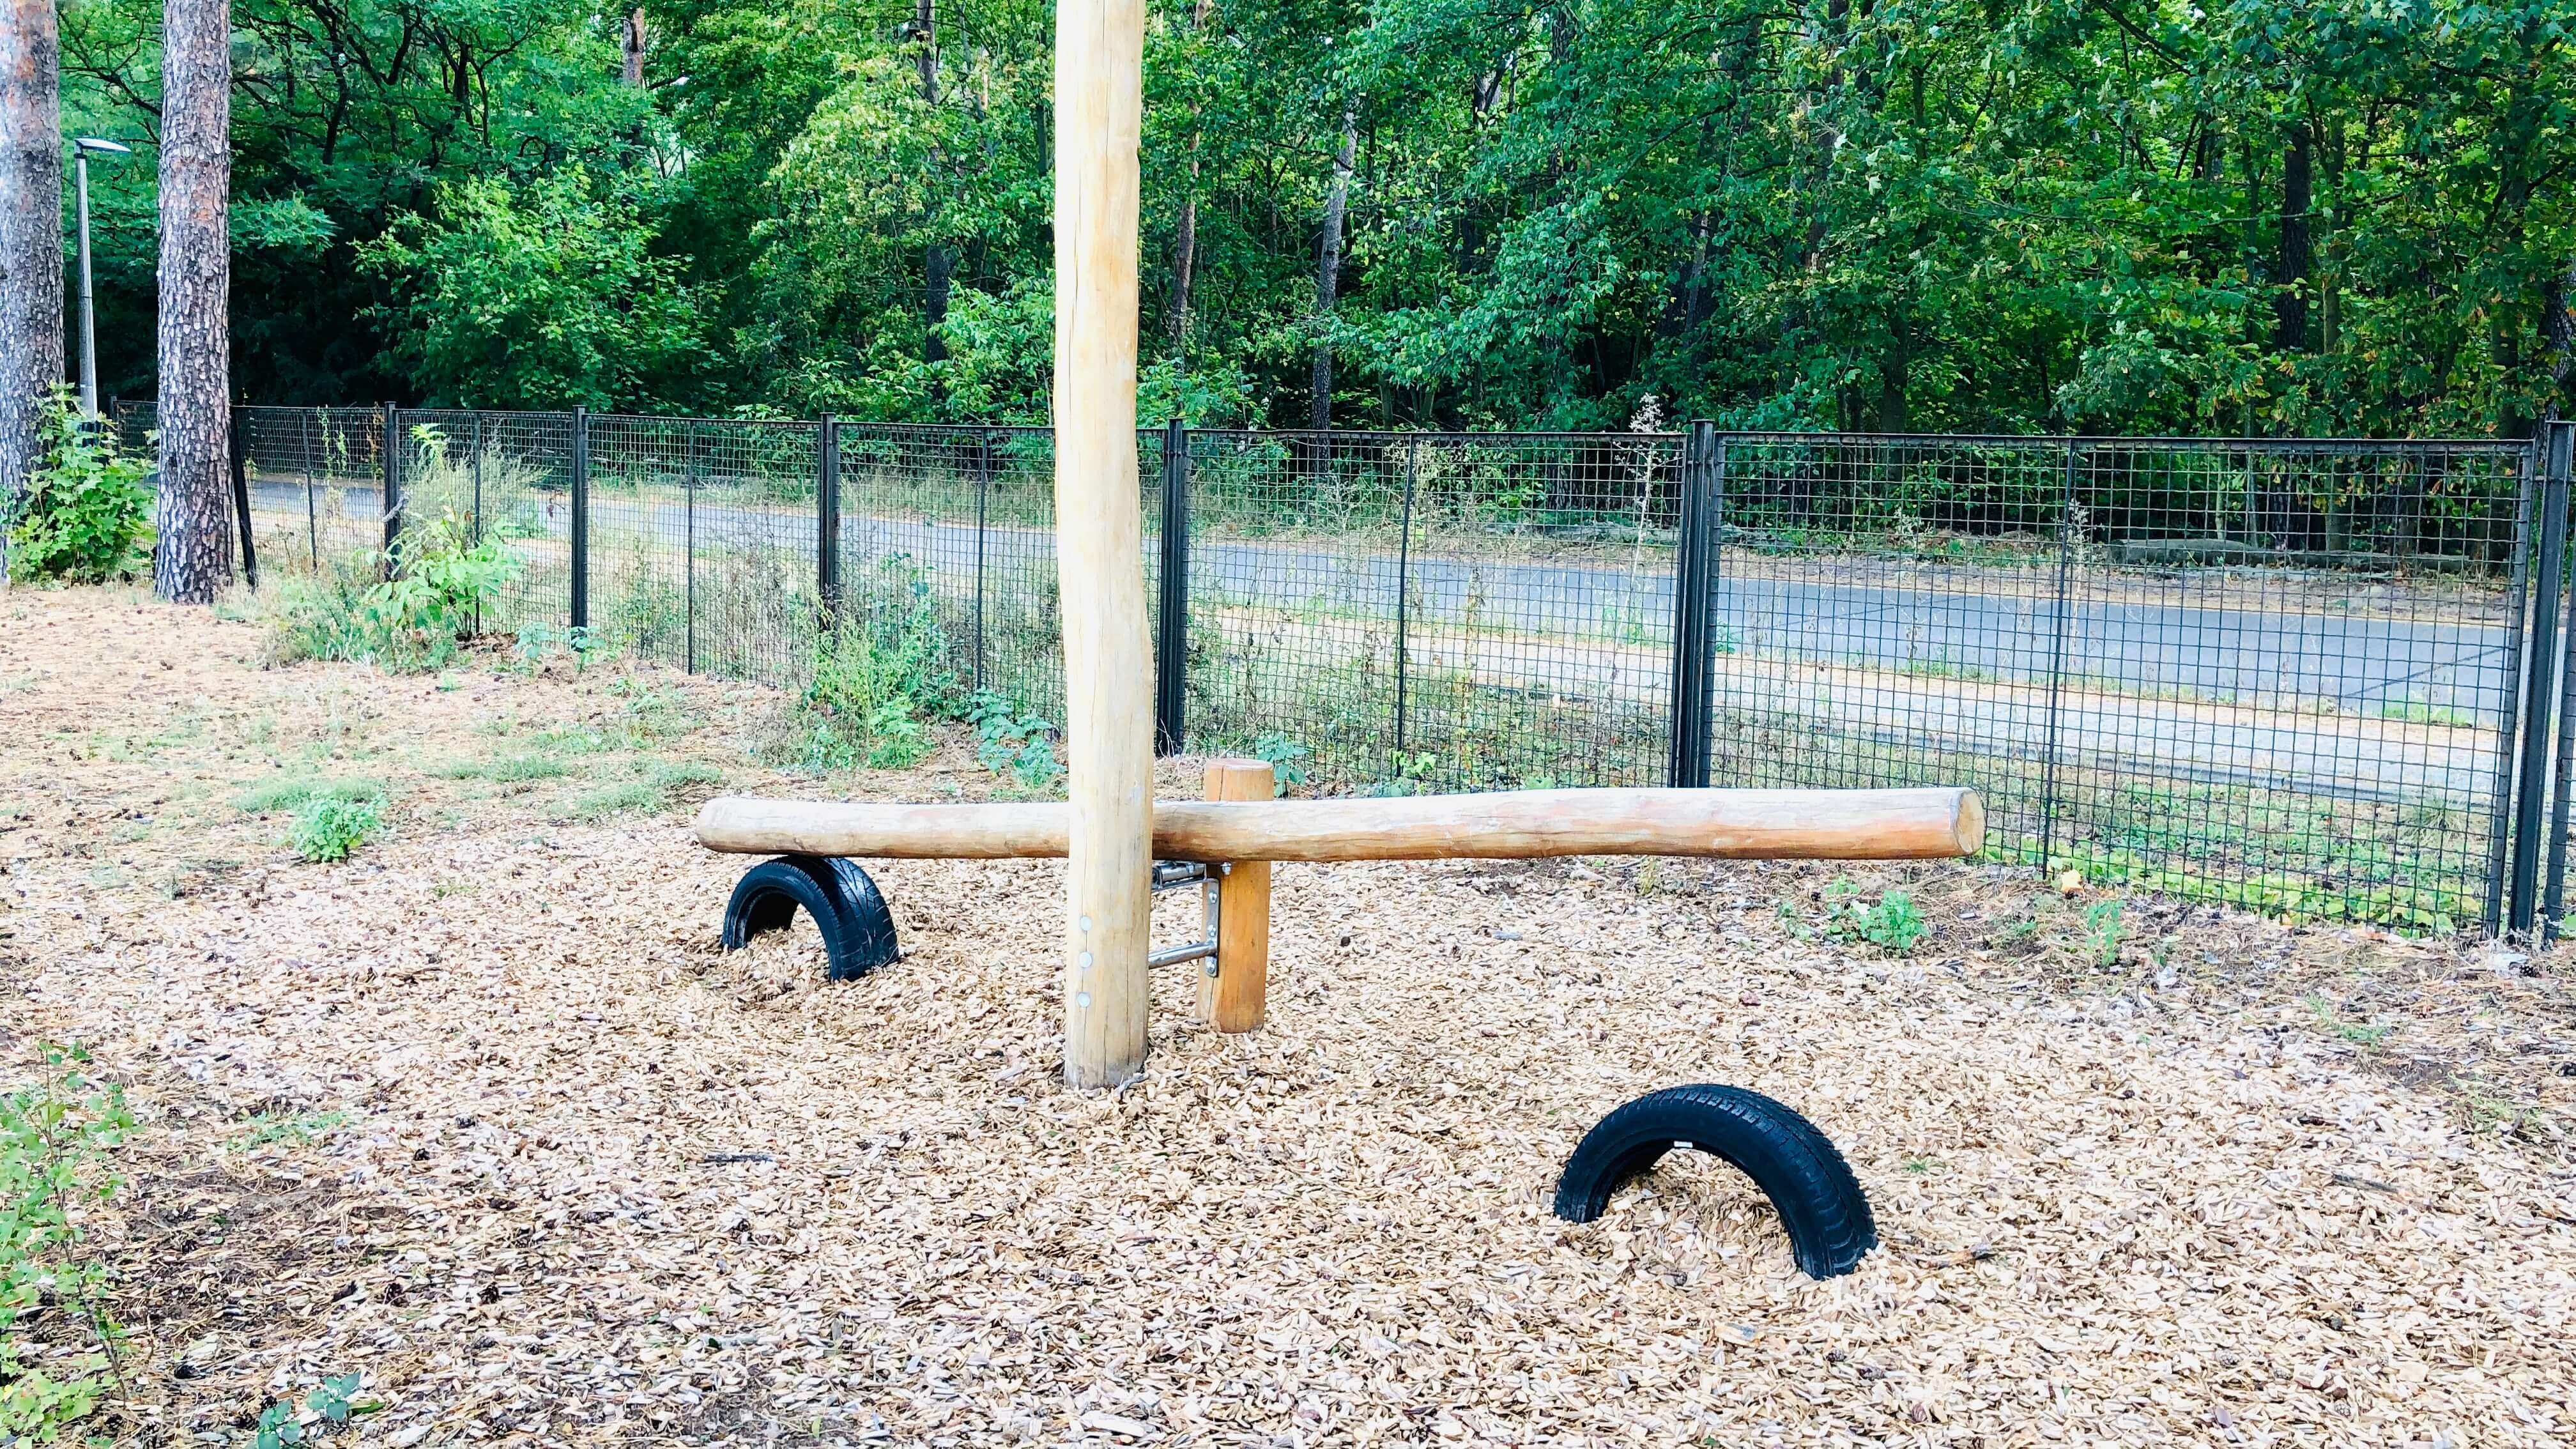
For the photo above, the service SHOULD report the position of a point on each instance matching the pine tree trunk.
(31, 233)
(1328, 268)
(193, 558)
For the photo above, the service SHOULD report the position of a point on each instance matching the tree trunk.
(1185, 231)
(194, 555)
(2558, 330)
(1185, 248)
(2326, 240)
(1686, 308)
(636, 35)
(936, 263)
(1893, 376)
(1328, 269)
(2290, 300)
(31, 234)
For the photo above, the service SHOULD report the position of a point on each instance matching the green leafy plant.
(1287, 760)
(443, 578)
(2358, 1033)
(55, 1136)
(1011, 741)
(1890, 923)
(879, 674)
(2103, 932)
(85, 514)
(280, 1424)
(298, 1128)
(332, 828)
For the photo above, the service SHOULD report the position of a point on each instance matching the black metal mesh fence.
(2286, 674)
(2279, 674)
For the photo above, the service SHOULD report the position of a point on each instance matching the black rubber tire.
(1796, 1166)
(856, 925)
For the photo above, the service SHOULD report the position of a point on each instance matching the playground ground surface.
(484, 1116)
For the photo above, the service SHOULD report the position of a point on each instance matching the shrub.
(878, 675)
(443, 578)
(55, 1133)
(331, 829)
(85, 515)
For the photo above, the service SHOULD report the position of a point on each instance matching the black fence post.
(689, 555)
(2057, 625)
(581, 518)
(1688, 766)
(241, 495)
(312, 507)
(390, 497)
(2532, 789)
(1172, 624)
(1404, 598)
(983, 500)
(827, 517)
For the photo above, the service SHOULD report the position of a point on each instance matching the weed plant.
(56, 1134)
(85, 514)
(330, 829)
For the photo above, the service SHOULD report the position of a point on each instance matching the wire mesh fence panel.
(911, 543)
(1295, 562)
(1539, 610)
(2290, 674)
(316, 483)
(641, 536)
(504, 476)
(280, 465)
(750, 592)
(1015, 638)
(1885, 614)
(134, 423)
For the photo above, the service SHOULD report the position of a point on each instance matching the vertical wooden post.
(1236, 998)
(1100, 530)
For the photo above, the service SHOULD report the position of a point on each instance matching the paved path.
(2352, 703)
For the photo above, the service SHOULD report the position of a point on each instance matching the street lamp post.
(81, 148)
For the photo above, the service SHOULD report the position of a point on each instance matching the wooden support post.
(1100, 531)
(1236, 997)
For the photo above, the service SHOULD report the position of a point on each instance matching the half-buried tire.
(1796, 1166)
(856, 926)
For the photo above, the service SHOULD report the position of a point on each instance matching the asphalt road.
(2351, 703)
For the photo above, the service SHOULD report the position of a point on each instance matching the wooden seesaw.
(1225, 845)
(1120, 843)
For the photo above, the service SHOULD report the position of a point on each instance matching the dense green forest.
(2116, 215)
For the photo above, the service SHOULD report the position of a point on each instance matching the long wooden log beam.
(1924, 824)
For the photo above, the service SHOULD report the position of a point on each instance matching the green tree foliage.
(541, 295)
(2139, 215)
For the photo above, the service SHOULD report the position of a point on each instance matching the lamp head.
(102, 144)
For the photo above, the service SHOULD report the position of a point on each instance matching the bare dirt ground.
(484, 1115)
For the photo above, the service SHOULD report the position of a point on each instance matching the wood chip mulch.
(555, 1170)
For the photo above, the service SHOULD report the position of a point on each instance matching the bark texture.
(1328, 268)
(1185, 230)
(937, 264)
(31, 232)
(637, 35)
(2290, 305)
(193, 557)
